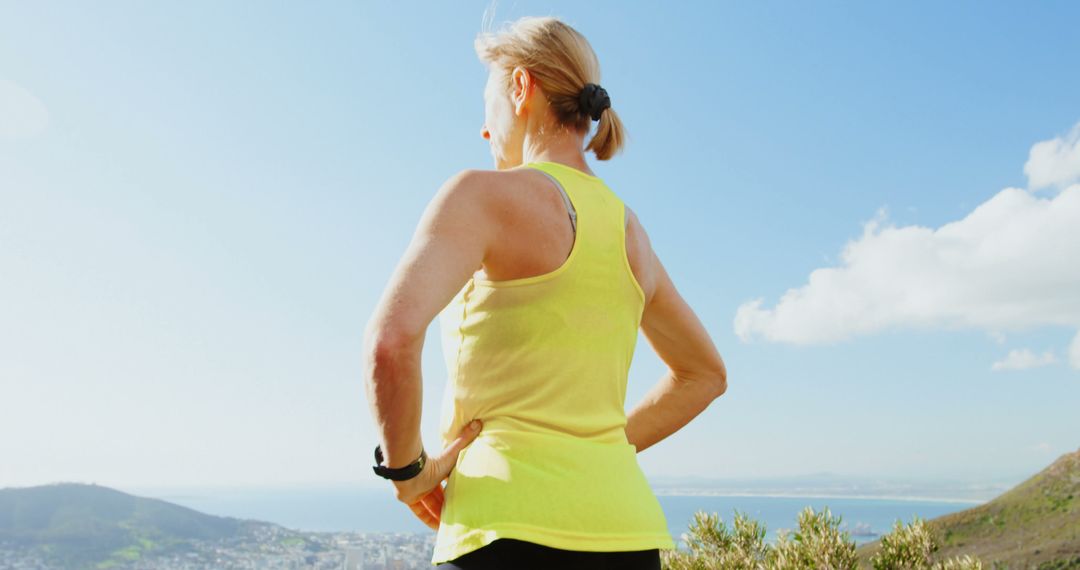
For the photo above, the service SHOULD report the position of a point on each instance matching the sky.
(874, 209)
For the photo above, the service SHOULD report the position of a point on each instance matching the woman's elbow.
(720, 381)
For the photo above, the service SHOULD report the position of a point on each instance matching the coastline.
(910, 498)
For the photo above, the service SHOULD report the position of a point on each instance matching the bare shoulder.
(634, 229)
(639, 253)
(484, 203)
(468, 195)
(482, 187)
(461, 209)
(469, 183)
(511, 198)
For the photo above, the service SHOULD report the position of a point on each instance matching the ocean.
(364, 509)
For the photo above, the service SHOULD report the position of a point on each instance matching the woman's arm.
(696, 375)
(449, 244)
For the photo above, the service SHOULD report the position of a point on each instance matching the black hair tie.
(593, 99)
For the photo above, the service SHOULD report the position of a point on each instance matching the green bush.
(817, 544)
(905, 547)
(911, 547)
(713, 546)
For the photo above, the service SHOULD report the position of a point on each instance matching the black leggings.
(514, 554)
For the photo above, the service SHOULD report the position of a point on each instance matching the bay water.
(375, 509)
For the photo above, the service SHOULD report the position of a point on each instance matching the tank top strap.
(566, 199)
(598, 215)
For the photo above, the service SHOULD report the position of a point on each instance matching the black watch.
(401, 473)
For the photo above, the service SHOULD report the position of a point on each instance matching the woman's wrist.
(398, 458)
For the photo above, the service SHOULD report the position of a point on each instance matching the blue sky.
(200, 204)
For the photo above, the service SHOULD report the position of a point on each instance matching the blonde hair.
(562, 61)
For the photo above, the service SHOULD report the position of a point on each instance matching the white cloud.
(1043, 447)
(21, 114)
(1074, 352)
(1023, 359)
(1011, 264)
(1055, 162)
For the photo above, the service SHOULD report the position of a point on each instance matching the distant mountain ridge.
(1036, 524)
(834, 485)
(79, 525)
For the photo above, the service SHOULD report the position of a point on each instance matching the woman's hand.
(424, 493)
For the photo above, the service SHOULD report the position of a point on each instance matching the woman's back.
(538, 353)
(543, 361)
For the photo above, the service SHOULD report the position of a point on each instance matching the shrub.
(715, 547)
(905, 547)
(818, 544)
(912, 547)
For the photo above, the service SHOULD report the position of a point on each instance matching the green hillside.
(86, 526)
(1034, 525)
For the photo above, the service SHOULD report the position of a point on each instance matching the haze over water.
(370, 509)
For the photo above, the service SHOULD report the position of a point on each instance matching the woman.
(541, 278)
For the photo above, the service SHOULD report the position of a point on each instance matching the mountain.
(834, 485)
(76, 525)
(1033, 525)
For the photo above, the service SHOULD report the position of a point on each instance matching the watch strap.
(401, 473)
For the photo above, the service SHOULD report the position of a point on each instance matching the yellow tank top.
(543, 361)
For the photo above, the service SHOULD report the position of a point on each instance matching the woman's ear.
(523, 84)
